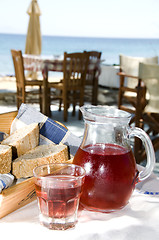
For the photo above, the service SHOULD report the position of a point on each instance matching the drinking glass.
(58, 189)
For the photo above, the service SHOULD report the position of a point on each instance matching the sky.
(85, 18)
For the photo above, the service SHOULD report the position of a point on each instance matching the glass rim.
(58, 164)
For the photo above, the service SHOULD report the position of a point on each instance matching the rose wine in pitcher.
(110, 176)
(105, 154)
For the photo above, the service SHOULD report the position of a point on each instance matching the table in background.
(45, 64)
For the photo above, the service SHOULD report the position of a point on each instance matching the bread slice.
(23, 166)
(23, 139)
(5, 159)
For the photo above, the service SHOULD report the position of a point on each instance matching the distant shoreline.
(87, 37)
(57, 45)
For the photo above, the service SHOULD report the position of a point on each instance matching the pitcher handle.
(138, 132)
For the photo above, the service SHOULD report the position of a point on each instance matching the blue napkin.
(50, 131)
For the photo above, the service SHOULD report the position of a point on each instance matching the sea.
(57, 45)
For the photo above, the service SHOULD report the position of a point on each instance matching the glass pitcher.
(106, 155)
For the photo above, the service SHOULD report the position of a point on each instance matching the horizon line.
(71, 36)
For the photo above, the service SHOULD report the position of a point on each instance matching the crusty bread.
(23, 166)
(5, 158)
(23, 139)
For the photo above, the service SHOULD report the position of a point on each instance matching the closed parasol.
(33, 40)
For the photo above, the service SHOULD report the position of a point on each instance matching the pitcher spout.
(103, 114)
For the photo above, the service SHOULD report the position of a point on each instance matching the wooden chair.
(149, 115)
(71, 87)
(91, 84)
(131, 86)
(28, 91)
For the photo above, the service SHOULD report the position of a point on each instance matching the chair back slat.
(19, 73)
(149, 74)
(75, 68)
(149, 113)
(131, 86)
(130, 66)
(25, 92)
(91, 84)
(94, 54)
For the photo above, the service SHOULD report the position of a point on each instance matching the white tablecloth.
(138, 220)
(108, 76)
(53, 63)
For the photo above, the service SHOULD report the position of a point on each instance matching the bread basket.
(20, 193)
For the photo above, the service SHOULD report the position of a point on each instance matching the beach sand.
(7, 93)
(7, 83)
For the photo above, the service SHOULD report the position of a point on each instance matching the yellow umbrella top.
(34, 8)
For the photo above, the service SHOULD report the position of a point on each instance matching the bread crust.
(23, 166)
(5, 159)
(23, 139)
